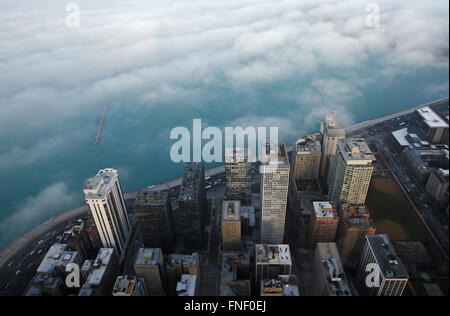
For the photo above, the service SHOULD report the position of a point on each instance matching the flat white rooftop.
(431, 118)
(148, 256)
(325, 210)
(96, 188)
(56, 256)
(186, 287)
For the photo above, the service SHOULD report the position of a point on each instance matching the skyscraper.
(155, 220)
(103, 194)
(332, 132)
(328, 276)
(324, 223)
(192, 205)
(354, 224)
(274, 190)
(231, 225)
(379, 258)
(238, 175)
(351, 172)
(306, 159)
(148, 265)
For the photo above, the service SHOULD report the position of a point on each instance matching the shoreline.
(12, 248)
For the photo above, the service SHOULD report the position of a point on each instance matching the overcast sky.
(163, 55)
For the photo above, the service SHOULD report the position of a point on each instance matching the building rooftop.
(186, 287)
(148, 256)
(285, 285)
(274, 153)
(307, 145)
(124, 285)
(98, 187)
(272, 254)
(390, 264)
(150, 196)
(332, 266)
(191, 260)
(192, 179)
(231, 210)
(357, 150)
(239, 154)
(431, 118)
(230, 283)
(100, 266)
(325, 210)
(57, 256)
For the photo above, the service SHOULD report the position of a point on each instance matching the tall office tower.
(306, 159)
(155, 219)
(392, 276)
(351, 172)
(434, 127)
(238, 174)
(104, 196)
(437, 185)
(129, 286)
(324, 223)
(231, 225)
(354, 224)
(274, 191)
(148, 265)
(332, 132)
(102, 274)
(328, 276)
(192, 205)
(50, 278)
(177, 265)
(272, 261)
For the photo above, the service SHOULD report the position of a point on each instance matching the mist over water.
(166, 64)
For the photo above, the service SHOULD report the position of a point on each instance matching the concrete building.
(351, 172)
(102, 275)
(187, 285)
(284, 285)
(274, 192)
(235, 274)
(155, 219)
(248, 219)
(306, 159)
(435, 127)
(51, 274)
(103, 194)
(324, 223)
(76, 238)
(231, 225)
(129, 286)
(272, 261)
(437, 185)
(149, 266)
(392, 275)
(332, 132)
(354, 224)
(179, 264)
(238, 175)
(192, 205)
(328, 276)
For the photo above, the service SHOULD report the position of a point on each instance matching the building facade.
(155, 219)
(351, 172)
(332, 132)
(274, 192)
(149, 266)
(231, 225)
(238, 174)
(324, 223)
(306, 159)
(272, 261)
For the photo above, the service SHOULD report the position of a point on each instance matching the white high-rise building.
(350, 173)
(274, 191)
(104, 196)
